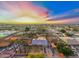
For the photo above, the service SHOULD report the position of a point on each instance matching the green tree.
(27, 29)
(63, 31)
(64, 48)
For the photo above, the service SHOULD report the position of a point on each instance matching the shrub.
(35, 56)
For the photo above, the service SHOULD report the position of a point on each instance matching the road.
(48, 53)
(10, 50)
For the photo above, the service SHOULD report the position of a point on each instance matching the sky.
(39, 12)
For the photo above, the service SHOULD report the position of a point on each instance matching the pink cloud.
(68, 21)
(14, 8)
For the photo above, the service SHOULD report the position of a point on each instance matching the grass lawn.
(2, 35)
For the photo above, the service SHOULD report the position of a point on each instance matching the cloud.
(17, 7)
(71, 16)
(16, 10)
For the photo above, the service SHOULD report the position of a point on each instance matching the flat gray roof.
(39, 42)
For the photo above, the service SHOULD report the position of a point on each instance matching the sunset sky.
(53, 12)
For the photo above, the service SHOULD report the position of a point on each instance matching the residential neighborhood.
(39, 41)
